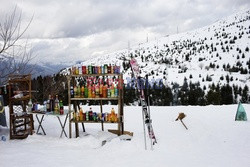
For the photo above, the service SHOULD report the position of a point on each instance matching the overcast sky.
(66, 31)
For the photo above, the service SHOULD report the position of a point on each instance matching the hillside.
(214, 51)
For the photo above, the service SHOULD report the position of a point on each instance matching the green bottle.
(86, 91)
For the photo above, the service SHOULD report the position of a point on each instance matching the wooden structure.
(21, 123)
(72, 82)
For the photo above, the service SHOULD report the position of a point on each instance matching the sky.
(69, 31)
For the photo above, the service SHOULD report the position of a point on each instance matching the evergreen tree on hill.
(226, 94)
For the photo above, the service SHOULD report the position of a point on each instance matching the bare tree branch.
(14, 55)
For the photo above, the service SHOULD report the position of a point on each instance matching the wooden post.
(76, 123)
(120, 105)
(69, 102)
(184, 125)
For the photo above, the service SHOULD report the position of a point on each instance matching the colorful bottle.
(83, 69)
(105, 69)
(112, 91)
(77, 71)
(89, 92)
(81, 115)
(73, 71)
(75, 92)
(112, 115)
(118, 69)
(84, 116)
(109, 69)
(61, 107)
(99, 70)
(108, 92)
(93, 69)
(89, 69)
(116, 118)
(87, 116)
(112, 69)
(97, 91)
(104, 91)
(80, 70)
(116, 91)
(57, 107)
(100, 90)
(106, 116)
(94, 116)
(86, 92)
(93, 91)
(82, 91)
(90, 114)
(96, 70)
(78, 91)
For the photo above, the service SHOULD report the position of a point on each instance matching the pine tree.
(247, 49)
(226, 94)
(213, 97)
(245, 97)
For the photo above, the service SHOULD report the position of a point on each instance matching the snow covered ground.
(213, 139)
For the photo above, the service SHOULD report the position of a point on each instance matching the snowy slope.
(176, 56)
(213, 139)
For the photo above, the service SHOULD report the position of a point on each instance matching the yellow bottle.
(100, 90)
(89, 92)
(77, 71)
(82, 91)
(78, 91)
(116, 118)
(81, 115)
(112, 91)
(75, 92)
(112, 117)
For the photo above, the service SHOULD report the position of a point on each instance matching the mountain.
(207, 55)
(45, 69)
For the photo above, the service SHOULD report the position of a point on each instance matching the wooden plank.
(117, 132)
(105, 122)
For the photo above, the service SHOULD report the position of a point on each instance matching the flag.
(241, 113)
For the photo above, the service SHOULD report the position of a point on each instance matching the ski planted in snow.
(145, 107)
